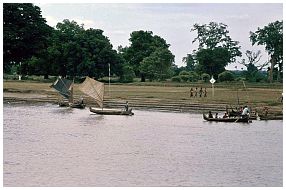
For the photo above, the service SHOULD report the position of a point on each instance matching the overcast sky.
(172, 22)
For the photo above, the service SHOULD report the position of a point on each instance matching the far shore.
(158, 97)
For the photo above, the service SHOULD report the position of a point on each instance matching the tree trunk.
(46, 76)
(273, 62)
(142, 78)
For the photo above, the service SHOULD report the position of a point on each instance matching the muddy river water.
(45, 145)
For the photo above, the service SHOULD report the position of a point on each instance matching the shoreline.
(160, 98)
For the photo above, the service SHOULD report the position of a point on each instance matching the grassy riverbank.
(165, 95)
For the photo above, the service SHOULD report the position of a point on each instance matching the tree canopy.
(272, 37)
(216, 48)
(25, 32)
(158, 64)
(143, 44)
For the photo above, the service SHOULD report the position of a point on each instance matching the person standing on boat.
(126, 106)
(245, 112)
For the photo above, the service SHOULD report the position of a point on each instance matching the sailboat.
(65, 88)
(95, 89)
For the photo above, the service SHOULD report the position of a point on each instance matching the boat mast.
(109, 79)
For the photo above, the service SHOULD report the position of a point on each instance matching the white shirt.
(245, 111)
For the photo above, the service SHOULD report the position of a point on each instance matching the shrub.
(193, 77)
(226, 76)
(184, 72)
(240, 79)
(176, 79)
(185, 78)
(205, 77)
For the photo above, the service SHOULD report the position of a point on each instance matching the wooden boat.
(63, 104)
(77, 105)
(72, 105)
(110, 111)
(95, 89)
(271, 117)
(232, 119)
(65, 88)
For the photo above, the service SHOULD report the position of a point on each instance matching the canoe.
(233, 119)
(111, 111)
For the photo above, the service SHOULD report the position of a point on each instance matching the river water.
(45, 145)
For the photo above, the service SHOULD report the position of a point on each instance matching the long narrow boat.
(110, 111)
(233, 119)
(95, 89)
(271, 117)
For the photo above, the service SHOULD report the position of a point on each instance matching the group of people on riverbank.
(198, 92)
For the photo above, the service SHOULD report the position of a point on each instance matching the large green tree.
(25, 33)
(272, 37)
(216, 48)
(158, 64)
(143, 44)
(190, 62)
(79, 52)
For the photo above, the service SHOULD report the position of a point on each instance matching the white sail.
(94, 89)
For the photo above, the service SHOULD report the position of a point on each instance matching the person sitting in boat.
(225, 115)
(81, 100)
(240, 110)
(126, 106)
(210, 114)
(216, 115)
(245, 112)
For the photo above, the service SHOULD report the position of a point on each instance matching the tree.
(143, 44)
(216, 48)
(189, 60)
(212, 61)
(128, 74)
(226, 76)
(78, 52)
(158, 64)
(272, 37)
(65, 50)
(251, 65)
(25, 33)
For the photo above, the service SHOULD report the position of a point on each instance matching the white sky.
(172, 22)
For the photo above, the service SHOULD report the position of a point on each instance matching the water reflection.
(45, 145)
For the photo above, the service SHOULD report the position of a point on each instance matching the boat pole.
(109, 79)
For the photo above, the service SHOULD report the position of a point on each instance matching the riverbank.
(162, 98)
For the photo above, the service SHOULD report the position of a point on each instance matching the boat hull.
(77, 105)
(111, 112)
(72, 105)
(231, 120)
(271, 117)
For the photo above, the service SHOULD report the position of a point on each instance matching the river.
(48, 146)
